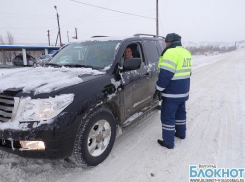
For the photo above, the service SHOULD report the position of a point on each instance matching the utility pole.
(76, 32)
(55, 7)
(56, 39)
(157, 17)
(48, 38)
(68, 36)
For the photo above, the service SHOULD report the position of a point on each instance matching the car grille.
(7, 143)
(6, 107)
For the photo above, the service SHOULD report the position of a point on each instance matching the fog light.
(32, 145)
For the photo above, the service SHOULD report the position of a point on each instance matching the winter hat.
(172, 37)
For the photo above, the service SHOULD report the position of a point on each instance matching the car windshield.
(96, 54)
(43, 57)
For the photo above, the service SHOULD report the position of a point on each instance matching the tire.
(95, 139)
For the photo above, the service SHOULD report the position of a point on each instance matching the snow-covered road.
(215, 135)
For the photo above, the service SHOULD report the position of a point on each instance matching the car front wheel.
(95, 138)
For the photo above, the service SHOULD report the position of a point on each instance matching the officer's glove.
(157, 94)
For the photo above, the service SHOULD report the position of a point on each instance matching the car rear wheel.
(95, 139)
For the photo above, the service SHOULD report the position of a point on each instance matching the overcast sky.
(194, 20)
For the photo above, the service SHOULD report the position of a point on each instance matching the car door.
(136, 86)
(153, 51)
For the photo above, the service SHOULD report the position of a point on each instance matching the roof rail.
(96, 36)
(140, 34)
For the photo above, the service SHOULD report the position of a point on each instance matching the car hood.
(44, 80)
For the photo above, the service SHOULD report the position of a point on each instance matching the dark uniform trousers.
(173, 117)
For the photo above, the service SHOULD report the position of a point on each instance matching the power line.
(25, 28)
(19, 33)
(17, 14)
(113, 10)
(131, 19)
(89, 15)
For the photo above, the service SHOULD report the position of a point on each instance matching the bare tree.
(1, 40)
(9, 40)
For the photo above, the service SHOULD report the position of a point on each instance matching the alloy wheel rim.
(99, 138)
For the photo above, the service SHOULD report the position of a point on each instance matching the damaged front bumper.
(54, 141)
(10, 141)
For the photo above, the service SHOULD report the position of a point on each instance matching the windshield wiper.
(77, 65)
(52, 64)
(80, 66)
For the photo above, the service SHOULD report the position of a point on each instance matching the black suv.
(79, 115)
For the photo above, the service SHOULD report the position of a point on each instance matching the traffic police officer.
(173, 84)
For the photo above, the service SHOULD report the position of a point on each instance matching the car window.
(161, 46)
(137, 52)
(19, 57)
(43, 57)
(151, 51)
(92, 53)
(141, 56)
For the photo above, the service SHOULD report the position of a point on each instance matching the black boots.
(179, 136)
(161, 142)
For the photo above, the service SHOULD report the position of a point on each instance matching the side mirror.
(131, 64)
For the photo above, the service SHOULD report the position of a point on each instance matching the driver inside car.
(127, 54)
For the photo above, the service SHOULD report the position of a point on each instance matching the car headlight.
(42, 109)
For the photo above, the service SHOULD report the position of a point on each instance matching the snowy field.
(215, 135)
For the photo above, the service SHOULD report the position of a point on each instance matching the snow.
(111, 96)
(240, 44)
(133, 117)
(150, 66)
(107, 67)
(41, 79)
(99, 104)
(117, 46)
(101, 39)
(200, 44)
(116, 83)
(14, 125)
(202, 60)
(215, 135)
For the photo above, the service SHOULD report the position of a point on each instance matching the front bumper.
(58, 140)
(48, 137)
